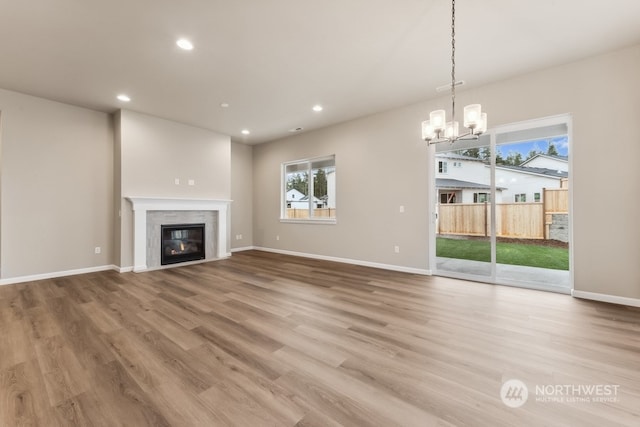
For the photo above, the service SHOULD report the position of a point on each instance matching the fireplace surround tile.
(150, 213)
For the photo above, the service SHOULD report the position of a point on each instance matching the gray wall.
(58, 198)
(57, 186)
(153, 152)
(382, 163)
(242, 195)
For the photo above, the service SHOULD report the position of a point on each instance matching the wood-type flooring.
(262, 339)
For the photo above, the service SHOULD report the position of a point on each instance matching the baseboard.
(246, 248)
(56, 274)
(633, 302)
(391, 267)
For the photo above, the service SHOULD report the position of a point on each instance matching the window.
(442, 167)
(480, 197)
(309, 188)
(521, 198)
(457, 164)
(536, 197)
(447, 198)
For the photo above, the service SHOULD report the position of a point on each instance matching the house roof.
(550, 173)
(456, 184)
(306, 199)
(559, 158)
(456, 156)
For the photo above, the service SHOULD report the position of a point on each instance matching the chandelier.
(437, 129)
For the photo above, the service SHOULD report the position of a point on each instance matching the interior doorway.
(502, 206)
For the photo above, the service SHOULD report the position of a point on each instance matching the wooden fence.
(515, 220)
(293, 213)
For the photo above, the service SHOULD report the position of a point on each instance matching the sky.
(561, 143)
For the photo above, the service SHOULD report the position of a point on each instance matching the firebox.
(181, 243)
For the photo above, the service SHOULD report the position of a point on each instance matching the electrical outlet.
(97, 250)
(238, 236)
(192, 182)
(396, 249)
(401, 209)
(177, 181)
(278, 237)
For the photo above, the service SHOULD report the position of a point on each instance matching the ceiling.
(273, 60)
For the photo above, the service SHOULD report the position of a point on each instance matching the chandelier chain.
(453, 61)
(437, 129)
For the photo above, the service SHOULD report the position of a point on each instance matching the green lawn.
(506, 253)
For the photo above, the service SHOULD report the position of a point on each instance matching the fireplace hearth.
(182, 243)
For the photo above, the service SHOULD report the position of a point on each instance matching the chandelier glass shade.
(437, 129)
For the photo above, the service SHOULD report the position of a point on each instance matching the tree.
(471, 152)
(320, 183)
(532, 154)
(298, 181)
(551, 150)
(483, 153)
(513, 159)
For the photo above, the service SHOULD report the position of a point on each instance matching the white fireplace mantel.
(143, 204)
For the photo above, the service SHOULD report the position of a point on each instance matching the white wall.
(521, 183)
(382, 158)
(469, 170)
(154, 152)
(57, 187)
(242, 195)
(549, 163)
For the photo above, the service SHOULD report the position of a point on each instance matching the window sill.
(326, 221)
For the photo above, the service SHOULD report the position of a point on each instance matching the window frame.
(311, 206)
(478, 195)
(442, 167)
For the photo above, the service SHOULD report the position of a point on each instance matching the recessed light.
(185, 44)
(245, 132)
(317, 108)
(224, 105)
(124, 98)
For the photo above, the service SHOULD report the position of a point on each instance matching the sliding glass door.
(502, 206)
(463, 211)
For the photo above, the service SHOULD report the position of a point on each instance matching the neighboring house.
(298, 200)
(456, 191)
(463, 179)
(526, 184)
(330, 200)
(557, 163)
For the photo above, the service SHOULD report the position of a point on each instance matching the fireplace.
(181, 243)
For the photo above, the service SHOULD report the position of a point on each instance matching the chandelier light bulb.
(472, 115)
(428, 133)
(482, 127)
(452, 130)
(438, 120)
